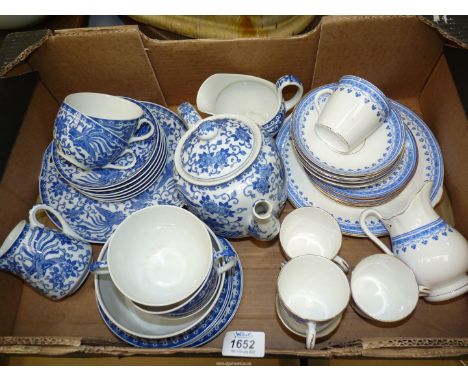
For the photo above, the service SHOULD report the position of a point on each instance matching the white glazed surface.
(105, 106)
(160, 255)
(384, 288)
(346, 121)
(302, 191)
(250, 96)
(313, 288)
(12, 236)
(300, 329)
(310, 231)
(127, 317)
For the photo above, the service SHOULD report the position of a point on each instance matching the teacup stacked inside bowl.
(108, 148)
(352, 144)
(172, 279)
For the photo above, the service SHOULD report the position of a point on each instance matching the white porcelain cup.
(353, 112)
(312, 231)
(385, 289)
(159, 256)
(314, 292)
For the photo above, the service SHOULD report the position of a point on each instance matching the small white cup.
(314, 292)
(312, 231)
(159, 256)
(384, 288)
(353, 112)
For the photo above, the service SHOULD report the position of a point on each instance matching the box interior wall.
(401, 55)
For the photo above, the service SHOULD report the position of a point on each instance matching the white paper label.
(244, 344)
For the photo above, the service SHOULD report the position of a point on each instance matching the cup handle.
(342, 263)
(99, 267)
(317, 97)
(362, 221)
(228, 259)
(145, 136)
(311, 335)
(424, 291)
(126, 167)
(290, 80)
(64, 227)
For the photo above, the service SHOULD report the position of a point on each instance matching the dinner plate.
(210, 327)
(95, 221)
(379, 151)
(302, 192)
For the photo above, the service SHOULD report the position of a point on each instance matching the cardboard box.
(401, 55)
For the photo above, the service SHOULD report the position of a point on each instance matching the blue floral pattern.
(273, 125)
(219, 156)
(124, 129)
(420, 237)
(95, 221)
(84, 140)
(226, 208)
(50, 261)
(209, 328)
(146, 153)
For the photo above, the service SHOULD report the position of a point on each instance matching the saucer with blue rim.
(380, 150)
(94, 220)
(302, 191)
(146, 153)
(210, 327)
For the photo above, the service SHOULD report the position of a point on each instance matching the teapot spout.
(265, 225)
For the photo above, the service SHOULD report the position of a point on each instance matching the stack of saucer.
(88, 128)
(352, 143)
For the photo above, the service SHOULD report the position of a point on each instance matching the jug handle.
(290, 80)
(188, 114)
(362, 221)
(66, 229)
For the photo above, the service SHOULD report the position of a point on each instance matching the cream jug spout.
(265, 225)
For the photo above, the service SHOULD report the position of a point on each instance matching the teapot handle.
(362, 221)
(188, 114)
(66, 229)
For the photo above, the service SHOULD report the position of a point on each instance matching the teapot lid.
(217, 149)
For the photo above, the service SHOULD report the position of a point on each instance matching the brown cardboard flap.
(18, 46)
(450, 125)
(182, 66)
(395, 53)
(106, 60)
(368, 347)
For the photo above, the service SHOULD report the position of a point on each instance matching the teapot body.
(227, 207)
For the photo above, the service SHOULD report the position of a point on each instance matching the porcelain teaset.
(352, 161)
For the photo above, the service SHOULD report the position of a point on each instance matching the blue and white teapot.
(231, 176)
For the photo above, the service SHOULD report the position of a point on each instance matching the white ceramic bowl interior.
(160, 255)
(254, 99)
(310, 231)
(313, 288)
(384, 288)
(104, 106)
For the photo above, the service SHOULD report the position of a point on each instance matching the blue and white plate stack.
(95, 201)
(124, 183)
(374, 173)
